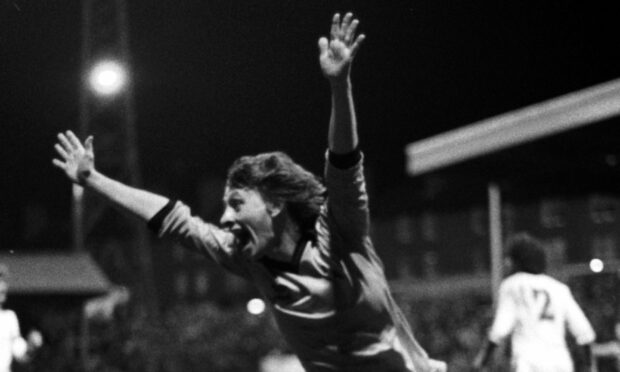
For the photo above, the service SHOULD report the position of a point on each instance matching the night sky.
(218, 79)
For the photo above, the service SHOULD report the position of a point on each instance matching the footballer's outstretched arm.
(78, 163)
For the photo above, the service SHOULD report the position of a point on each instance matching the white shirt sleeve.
(577, 323)
(505, 316)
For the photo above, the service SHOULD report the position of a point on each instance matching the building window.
(477, 221)
(509, 218)
(404, 229)
(201, 283)
(556, 251)
(430, 266)
(604, 247)
(552, 213)
(602, 209)
(428, 227)
(181, 284)
(403, 270)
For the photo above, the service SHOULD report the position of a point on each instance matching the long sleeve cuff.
(154, 224)
(345, 161)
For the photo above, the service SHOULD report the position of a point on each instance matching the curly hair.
(276, 176)
(527, 253)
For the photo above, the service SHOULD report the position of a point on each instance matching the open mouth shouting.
(243, 240)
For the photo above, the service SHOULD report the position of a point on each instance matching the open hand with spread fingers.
(337, 53)
(76, 160)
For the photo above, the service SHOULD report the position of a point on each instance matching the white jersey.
(12, 345)
(535, 310)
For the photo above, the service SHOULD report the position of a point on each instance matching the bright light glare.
(107, 77)
(256, 306)
(596, 265)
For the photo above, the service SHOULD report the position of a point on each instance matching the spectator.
(13, 347)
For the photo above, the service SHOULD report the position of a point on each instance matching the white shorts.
(541, 365)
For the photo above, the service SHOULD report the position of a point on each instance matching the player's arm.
(78, 163)
(581, 329)
(503, 325)
(336, 56)
(347, 201)
(584, 356)
(171, 219)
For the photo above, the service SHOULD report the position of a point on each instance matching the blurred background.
(188, 86)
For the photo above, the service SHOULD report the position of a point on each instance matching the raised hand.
(77, 161)
(337, 53)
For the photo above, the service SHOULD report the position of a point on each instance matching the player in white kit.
(534, 310)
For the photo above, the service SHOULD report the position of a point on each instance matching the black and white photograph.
(319, 186)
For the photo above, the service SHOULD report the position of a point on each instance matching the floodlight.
(596, 265)
(107, 77)
(256, 306)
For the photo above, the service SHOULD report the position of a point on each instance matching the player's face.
(248, 216)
